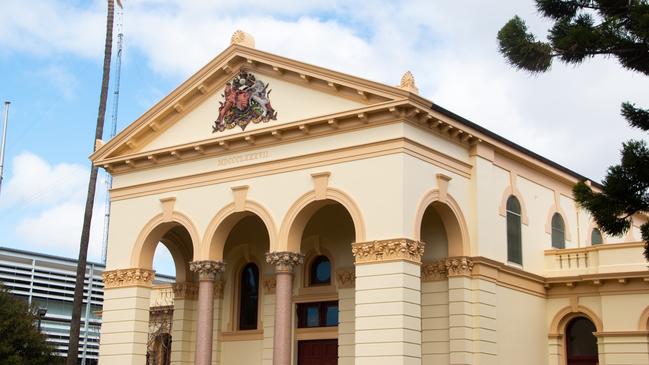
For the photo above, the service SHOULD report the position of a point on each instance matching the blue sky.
(50, 69)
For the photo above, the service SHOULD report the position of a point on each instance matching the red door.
(317, 352)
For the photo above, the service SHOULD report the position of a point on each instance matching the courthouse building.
(319, 218)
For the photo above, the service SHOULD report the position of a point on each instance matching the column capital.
(284, 261)
(459, 266)
(388, 250)
(206, 269)
(185, 290)
(128, 277)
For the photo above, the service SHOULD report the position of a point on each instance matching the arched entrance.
(173, 296)
(581, 343)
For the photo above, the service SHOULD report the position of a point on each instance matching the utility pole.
(3, 141)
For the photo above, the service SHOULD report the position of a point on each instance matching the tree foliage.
(20, 341)
(584, 29)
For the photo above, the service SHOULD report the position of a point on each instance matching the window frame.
(238, 296)
(557, 233)
(516, 215)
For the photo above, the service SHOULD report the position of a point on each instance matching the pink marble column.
(207, 271)
(284, 263)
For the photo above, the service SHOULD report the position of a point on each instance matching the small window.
(249, 297)
(514, 241)
(320, 271)
(596, 237)
(558, 232)
(317, 314)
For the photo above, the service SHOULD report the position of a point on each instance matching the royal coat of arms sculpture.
(245, 100)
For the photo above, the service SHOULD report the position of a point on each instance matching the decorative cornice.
(346, 278)
(459, 266)
(128, 277)
(388, 250)
(434, 271)
(207, 270)
(185, 290)
(284, 261)
(269, 285)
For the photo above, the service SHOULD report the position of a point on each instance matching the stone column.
(284, 263)
(125, 316)
(207, 274)
(388, 302)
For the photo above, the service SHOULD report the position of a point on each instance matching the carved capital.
(457, 266)
(346, 278)
(434, 271)
(185, 290)
(207, 270)
(284, 261)
(128, 277)
(388, 250)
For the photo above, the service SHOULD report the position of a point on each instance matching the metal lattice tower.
(113, 127)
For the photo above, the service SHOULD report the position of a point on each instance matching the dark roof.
(511, 144)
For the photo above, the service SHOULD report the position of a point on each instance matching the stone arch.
(561, 319)
(163, 229)
(502, 210)
(643, 323)
(299, 213)
(220, 226)
(452, 218)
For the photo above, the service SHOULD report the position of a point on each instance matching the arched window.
(249, 297)
(558, 232)
(320, 271)
(514, 234)
(596, 237)
(581, 344)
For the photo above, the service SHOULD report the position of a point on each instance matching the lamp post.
(40, 312)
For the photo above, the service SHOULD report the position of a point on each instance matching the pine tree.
(583, 29)
(20, 341)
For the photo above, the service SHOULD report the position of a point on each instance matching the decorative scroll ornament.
(270, 284)
(434, 271)
(245, 100)
(346, 278)
(128, 277)
(408, 83)
(284, 261)
(388, 250)
(242, 38)
(456, 266)
(207, 270)
(185, 290)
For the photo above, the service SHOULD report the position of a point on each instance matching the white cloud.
(35, 182)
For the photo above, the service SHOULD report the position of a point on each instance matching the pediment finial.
(408, 83)
(242, 38)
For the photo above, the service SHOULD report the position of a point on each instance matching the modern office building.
(48, 282)
(315, 217)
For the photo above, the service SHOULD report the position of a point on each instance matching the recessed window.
(317, 314)
(249, 297)
(558, 232)
(320, 271)
(581, 343)
(514, 241)
(596, 237)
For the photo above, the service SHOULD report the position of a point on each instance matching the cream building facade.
(317, 218)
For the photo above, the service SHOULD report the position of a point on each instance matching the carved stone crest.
(346, 278)
(245, 100)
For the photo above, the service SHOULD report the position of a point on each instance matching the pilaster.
(388, 302)
(183, 330)
(125, 316)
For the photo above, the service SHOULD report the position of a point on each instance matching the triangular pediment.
(295, 91)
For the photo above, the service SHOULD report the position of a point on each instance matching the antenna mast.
(3, 141)
(113, 127)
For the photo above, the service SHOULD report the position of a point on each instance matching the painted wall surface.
(521, 328)
(291, 102)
